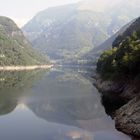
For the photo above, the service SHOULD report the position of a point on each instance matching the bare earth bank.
(20, 68)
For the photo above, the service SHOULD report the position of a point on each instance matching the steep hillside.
(71, 31)
(65, 31)
(15, 49)
(124, 57)
(119, 69)
(95, 53)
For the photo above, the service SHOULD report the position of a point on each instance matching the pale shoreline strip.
(21, 68)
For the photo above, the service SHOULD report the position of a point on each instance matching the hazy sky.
(22, 10)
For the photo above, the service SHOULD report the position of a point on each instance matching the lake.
(60, 104)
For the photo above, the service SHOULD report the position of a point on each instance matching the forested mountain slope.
(123, 59)
(15, 49)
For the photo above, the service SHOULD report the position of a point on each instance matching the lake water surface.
(60, 104)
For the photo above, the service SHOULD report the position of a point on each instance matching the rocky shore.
(127, 117)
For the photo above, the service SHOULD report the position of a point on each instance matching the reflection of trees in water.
(18, 80)
(62, 97)
(12, 85)
(7, 106)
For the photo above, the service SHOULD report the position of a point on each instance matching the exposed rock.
(128, 117)
(124, 88)
(108, 86)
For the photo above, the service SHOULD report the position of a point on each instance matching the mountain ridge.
(71, 31)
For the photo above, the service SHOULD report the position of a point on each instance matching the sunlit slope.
(15, 49)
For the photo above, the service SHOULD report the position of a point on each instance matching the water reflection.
(55, 105)
(12, 85)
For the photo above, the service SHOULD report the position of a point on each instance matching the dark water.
(52, 105)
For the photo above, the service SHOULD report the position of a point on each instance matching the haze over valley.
(71, 31)
(70, 70)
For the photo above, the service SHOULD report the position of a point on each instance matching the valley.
(71, 71)
(71, 32)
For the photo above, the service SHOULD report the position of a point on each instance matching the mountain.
(15, 49)
(71, 31)
(123, 59)
(64, 32)
(95, 53)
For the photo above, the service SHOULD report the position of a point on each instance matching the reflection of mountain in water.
(67, 111)
(12, 85)
(67, 98)
(60, 97)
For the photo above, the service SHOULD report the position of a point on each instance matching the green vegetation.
(123, 60)
(12, 86)
(15, 49)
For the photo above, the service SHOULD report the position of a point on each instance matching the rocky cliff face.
(127, 117)
(124, 88)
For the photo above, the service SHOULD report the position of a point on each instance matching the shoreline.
(22, 68)
(126, 116)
